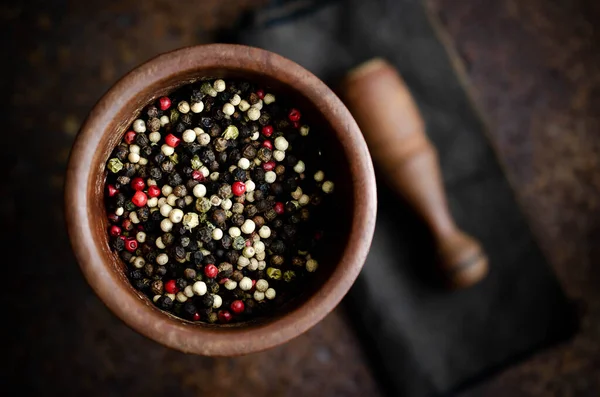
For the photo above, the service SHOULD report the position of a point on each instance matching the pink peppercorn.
(115, 230)
(238, 188)
(279, 208)
(129, 137)
(267, 130)
(224, 316)
(172, 140)
(237, 306)
(153, 191)
(140, 199)
(164, 103)
(211, 271)
(138, 184)
(294, 115)
(171, 287)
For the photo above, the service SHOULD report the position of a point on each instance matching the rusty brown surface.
(533, 68)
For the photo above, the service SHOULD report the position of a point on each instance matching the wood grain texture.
(395, 133)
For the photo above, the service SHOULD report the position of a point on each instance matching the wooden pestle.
(395, 134)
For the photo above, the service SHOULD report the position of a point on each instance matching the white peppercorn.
(261, 263)
(258, 296)
(253, 264)
(139, 262)
(181, 297)
(197, 107)
(166, 225)
(215, 200)
(183, 107)
(327, 187)
(204, 139)
(244, 163)
(258, 105)
(188, 291)
(189, 136)
(248, 252)
(219, 85)
(235, 100)
(226, 204)
(262, 285)
(245, 284)
(140, 237)
(269, 99)
(139, 126)
(279, 155)
(133, 217)
(176, 215)
(199, 288)
(270, 176)
(264, 232)
(188, 199)
(228, 109)
(230, 285)
(159, 244)
(199, 190)
(304, 130)
(133, 158)
(166, 190)
(217, 234)
(244, 105)
(281, 143)
(270, 293)
(300, 167)
(217, 301)
(190, 220)
(119, 211)
(243, 261)
(171, 199)
(248, 226)
(253, 114)
(304, 200)
(167, 150)
(164, 120)
(162, 259)
(250, 185)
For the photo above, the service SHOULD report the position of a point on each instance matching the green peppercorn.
(225, 191)
(274, 273)
(238, 243)
(289, 275)
(114, 165)
(231, 132)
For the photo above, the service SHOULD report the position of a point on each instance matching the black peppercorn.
(155, 173)
(152, 111)
(126, 256)
(197, 258)
(226, 241)
(249, 152)
(155, 216)
(136, 274)
(179, 190)
(167, 166)
(237, 276)
(123, 180)
(219, 253)
(175, 179)
(149, 269)
(209, 259)
(232, 256)
(290, 207)
(159, 158)
(129, 170)
(237, 219)
(157, 287)
(259, 221)
(225, 269)
(143, 213)
(206, 122)
(277, 246)
(207, 155)
(168, 239)
(121, 152)
(220, 144)
(277, 223)
(179, 128)
(304, 214)
(215, 131)
(165, 303)
(240, 175)
(207, 300)
(211, 246)
(118, 244)
(142, 284)
(219, 216)
(179, 252)
(204, 234)
(280, 169)
(142, 140)
(250, 210)
(180, 203)
(191, 183)
(276, 188)
(264, 154)
(189, 273)
(181, 283)
(186, 119)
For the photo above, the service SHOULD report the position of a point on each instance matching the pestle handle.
(395, 134)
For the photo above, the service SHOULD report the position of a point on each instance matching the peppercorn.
(179, 252)
(237, 276)
(121, 152)
(143, 213)
(219, 216)
(237, 220)
(207, 300)
(167, 166)
(225, 191)
(277, 223)
(181, 283)
(149, 269)
(258, 221)
(175, 179)
(250, 210)
(168, 239)
(129, 169)
(118, 244)
(226, 241)
(277, 188)
(165, 303)
(160, 271)
(180, 203)
(264, 154)
(274, 273)
(197, 257)
(189, 273)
